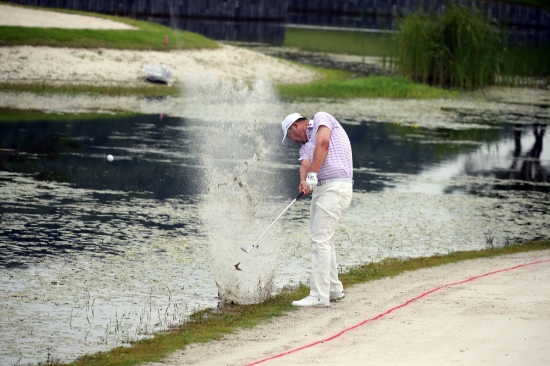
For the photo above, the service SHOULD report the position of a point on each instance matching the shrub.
(459, 48)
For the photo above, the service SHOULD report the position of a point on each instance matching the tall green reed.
(526, 66)
(459, 48)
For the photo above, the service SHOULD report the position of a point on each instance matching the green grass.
(327, 74)
(16, 115)
(524, 62)
(148, 36)
(364, 87)
(211, 325)
(148, 90)
(345, 42)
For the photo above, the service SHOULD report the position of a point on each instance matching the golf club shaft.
(281, 214)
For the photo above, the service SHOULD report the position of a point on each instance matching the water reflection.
(528, 167)
(60, 194)
(23, 148)
(149, 156)
(498, 163)
(506, 166)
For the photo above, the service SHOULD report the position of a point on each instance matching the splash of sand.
(234, 148)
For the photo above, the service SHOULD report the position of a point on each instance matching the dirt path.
(500, 319)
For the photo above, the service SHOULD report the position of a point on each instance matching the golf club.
(281, 214)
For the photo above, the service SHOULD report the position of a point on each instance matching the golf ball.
(110, 157)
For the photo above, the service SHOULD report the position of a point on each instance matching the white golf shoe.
(311, 301)
(338, 297)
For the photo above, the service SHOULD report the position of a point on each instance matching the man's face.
(296, 134)
(291, 132)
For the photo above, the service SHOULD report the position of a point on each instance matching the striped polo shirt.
(338, 163)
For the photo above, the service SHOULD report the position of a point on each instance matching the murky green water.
(95, 253)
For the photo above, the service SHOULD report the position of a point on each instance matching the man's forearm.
(304, 169)
(321, 148)
(319, 156)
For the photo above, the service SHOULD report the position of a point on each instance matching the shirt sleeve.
(322, 119)
(306, 151)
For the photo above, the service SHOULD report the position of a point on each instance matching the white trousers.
(328, 203)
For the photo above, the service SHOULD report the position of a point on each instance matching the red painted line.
(408, 302)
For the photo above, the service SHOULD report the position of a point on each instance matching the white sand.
(501, 319)
(26, 17)
(105, 66)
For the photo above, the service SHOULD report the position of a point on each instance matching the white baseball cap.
(287, 122)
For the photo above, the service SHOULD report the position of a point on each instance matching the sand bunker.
(106, 66)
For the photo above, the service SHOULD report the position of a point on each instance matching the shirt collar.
(309, 129)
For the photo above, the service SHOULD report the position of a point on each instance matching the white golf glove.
(311, 180)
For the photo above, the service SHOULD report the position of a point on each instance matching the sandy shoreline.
(501, 319)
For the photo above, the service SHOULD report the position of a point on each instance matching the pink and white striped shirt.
(338, 163)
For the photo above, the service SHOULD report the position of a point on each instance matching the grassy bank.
(210, 325)
(364, 87)
(145, 90)
(338, 86)
(148, 36)
(15, 115)
(335, 84)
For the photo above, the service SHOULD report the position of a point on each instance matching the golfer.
(327, 171)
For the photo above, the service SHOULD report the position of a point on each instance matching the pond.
(95, 253)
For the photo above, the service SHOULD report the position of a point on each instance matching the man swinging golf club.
(327, 171)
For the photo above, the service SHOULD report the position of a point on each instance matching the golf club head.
(245, 250)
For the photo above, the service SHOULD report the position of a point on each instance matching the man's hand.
(311, 180)
(303, 187)
(305, 167)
